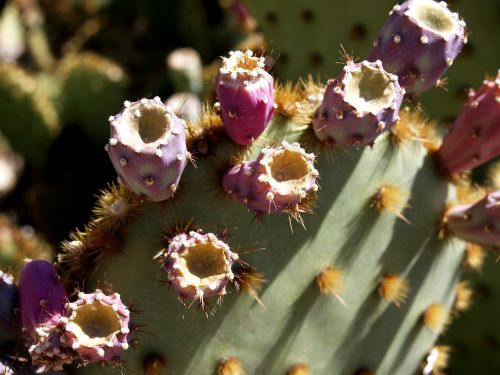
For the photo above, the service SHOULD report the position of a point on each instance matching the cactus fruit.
(94, 328)
(97, 327)
(42, 299)
(198, 265)
(478, 223)
(418, 42)
(148, 148)
(27, 114)
(473, 139)
(91, 87)
(358, 105)
(245, 92)
(42, 295)
(276, 181)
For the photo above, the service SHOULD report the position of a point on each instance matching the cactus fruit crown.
(370, 89)
(434, 16)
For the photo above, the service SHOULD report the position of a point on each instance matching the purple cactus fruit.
(8, 300)
(97, 327)
(198, 265)
(474, 137)
(41, 294)
(419, 41)
(478, 223)
(275, 182)
(245, 92)
(358, 105)
(42, 299)
(148, 148)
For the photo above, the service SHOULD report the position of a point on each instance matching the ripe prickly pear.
(245, 92)
(358, 105)
(277, 181)
(474, 137)
(418, 42)
(148, 148)
(478, 223)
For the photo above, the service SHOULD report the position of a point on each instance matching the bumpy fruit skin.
(474, 137)
(418, 46)
(148, 148)
(358, 105)
(275, 182)
(88, 309)
(245, 92)
(42, 299)
(186, 283)
(41, 294)
(478, 223)
(8, 299)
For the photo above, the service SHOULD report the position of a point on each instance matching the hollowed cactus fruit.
(347, 253)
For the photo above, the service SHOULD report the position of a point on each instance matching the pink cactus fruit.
(478, 223)
(358, 105)
(148, 148)
(42, 299)
(475, 136)
(276, 181)
(198, 265)
(419, 41)
(97, 327)
(245, 92)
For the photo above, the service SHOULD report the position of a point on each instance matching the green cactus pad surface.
(92, 87)
(296, 323)
(29, 117)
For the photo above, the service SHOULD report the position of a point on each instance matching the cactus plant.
(345, 255)
(27, 113)
(91, 86)
(362, 238)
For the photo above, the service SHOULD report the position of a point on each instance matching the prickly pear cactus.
(91, 85)
(287, 25)
(292, 229)
(28, 114)
(376, 214)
